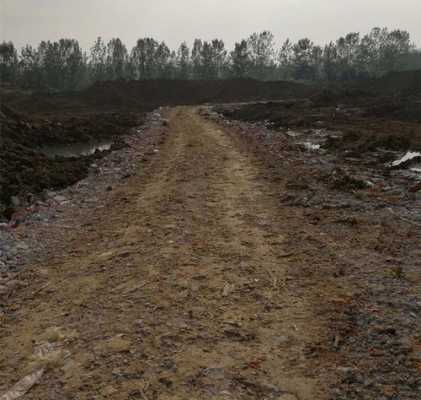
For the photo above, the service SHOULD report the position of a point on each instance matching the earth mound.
(403, 82)
(26, 169)
(148, 94)
(179, 92)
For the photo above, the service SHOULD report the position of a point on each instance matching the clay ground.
(190, 281)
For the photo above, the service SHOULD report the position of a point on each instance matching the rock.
(60, 199)
(15, 201)
(13, 251)
(108, 391)
(24, 385)
(114, 345)
(48, 194)
(22, 246)
(227, 290)
(13, 284)
(407, 160)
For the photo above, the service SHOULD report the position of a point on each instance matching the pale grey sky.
(30, 21)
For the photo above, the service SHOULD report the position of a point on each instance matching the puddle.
(313, 139)
(410, 155)
(408, 165)
(75, 150)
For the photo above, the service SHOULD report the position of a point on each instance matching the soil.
(149, 94)
(405, 82)
(376, 318)
(383, 113)
(264, 250)
(181, 288)
(105, 110)
(365, 123)
(227, 266)
(27, 171)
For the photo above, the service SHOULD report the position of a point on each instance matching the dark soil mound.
(406, 82)
(149, 94)
(176, 92)
(25, 169)
(34, 132)
(390, 90)
(287, 114)
(368, 123)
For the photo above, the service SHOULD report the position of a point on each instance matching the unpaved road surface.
(186, 285)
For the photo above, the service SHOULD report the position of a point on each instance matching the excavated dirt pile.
(26, 168)
(135, 95)
(366, 122)
(379, 113)
(176, 92)
(406, 82)
(105, 110)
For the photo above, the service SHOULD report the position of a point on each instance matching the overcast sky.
(30, 21)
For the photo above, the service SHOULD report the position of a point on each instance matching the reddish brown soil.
(225, 268)
(369, 238)
(182, 289)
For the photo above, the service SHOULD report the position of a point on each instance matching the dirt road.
(180, 288)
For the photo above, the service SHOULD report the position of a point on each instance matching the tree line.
(64, 65)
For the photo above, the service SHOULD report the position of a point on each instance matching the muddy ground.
(232, 264)
(105, 111)
(266, 250)
(135, 95)
(342, 157)
(367, 116)
(27, 167)
(361, 205)
(365, 123)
